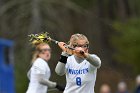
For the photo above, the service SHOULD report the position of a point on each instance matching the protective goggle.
(44, 50)
(82, 46)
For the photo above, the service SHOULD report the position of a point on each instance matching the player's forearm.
(49, 83)
(95, 61)
(60, 68)
(44, 81)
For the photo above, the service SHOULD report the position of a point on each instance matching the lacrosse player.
(39, 72)
(79, 66)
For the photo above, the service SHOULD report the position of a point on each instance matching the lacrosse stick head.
(39, 38)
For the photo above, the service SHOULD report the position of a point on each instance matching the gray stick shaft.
(56, 42)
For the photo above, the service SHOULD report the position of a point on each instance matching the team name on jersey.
(81, 71)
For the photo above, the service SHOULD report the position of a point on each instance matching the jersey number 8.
(78, 81)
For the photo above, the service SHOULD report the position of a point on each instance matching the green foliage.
(127, 42)
(134, 5)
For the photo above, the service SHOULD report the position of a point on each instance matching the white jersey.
(80, 77)
(40, 66)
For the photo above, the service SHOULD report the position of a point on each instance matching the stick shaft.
(56, 42)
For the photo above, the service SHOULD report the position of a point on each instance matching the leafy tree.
(127, 42)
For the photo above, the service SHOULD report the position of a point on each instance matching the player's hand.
(79, 53)
(62, 45)
(65, 48)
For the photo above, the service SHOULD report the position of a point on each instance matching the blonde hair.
(37, 50)
(76, 37)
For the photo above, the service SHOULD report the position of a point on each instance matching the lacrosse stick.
(44, 37)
